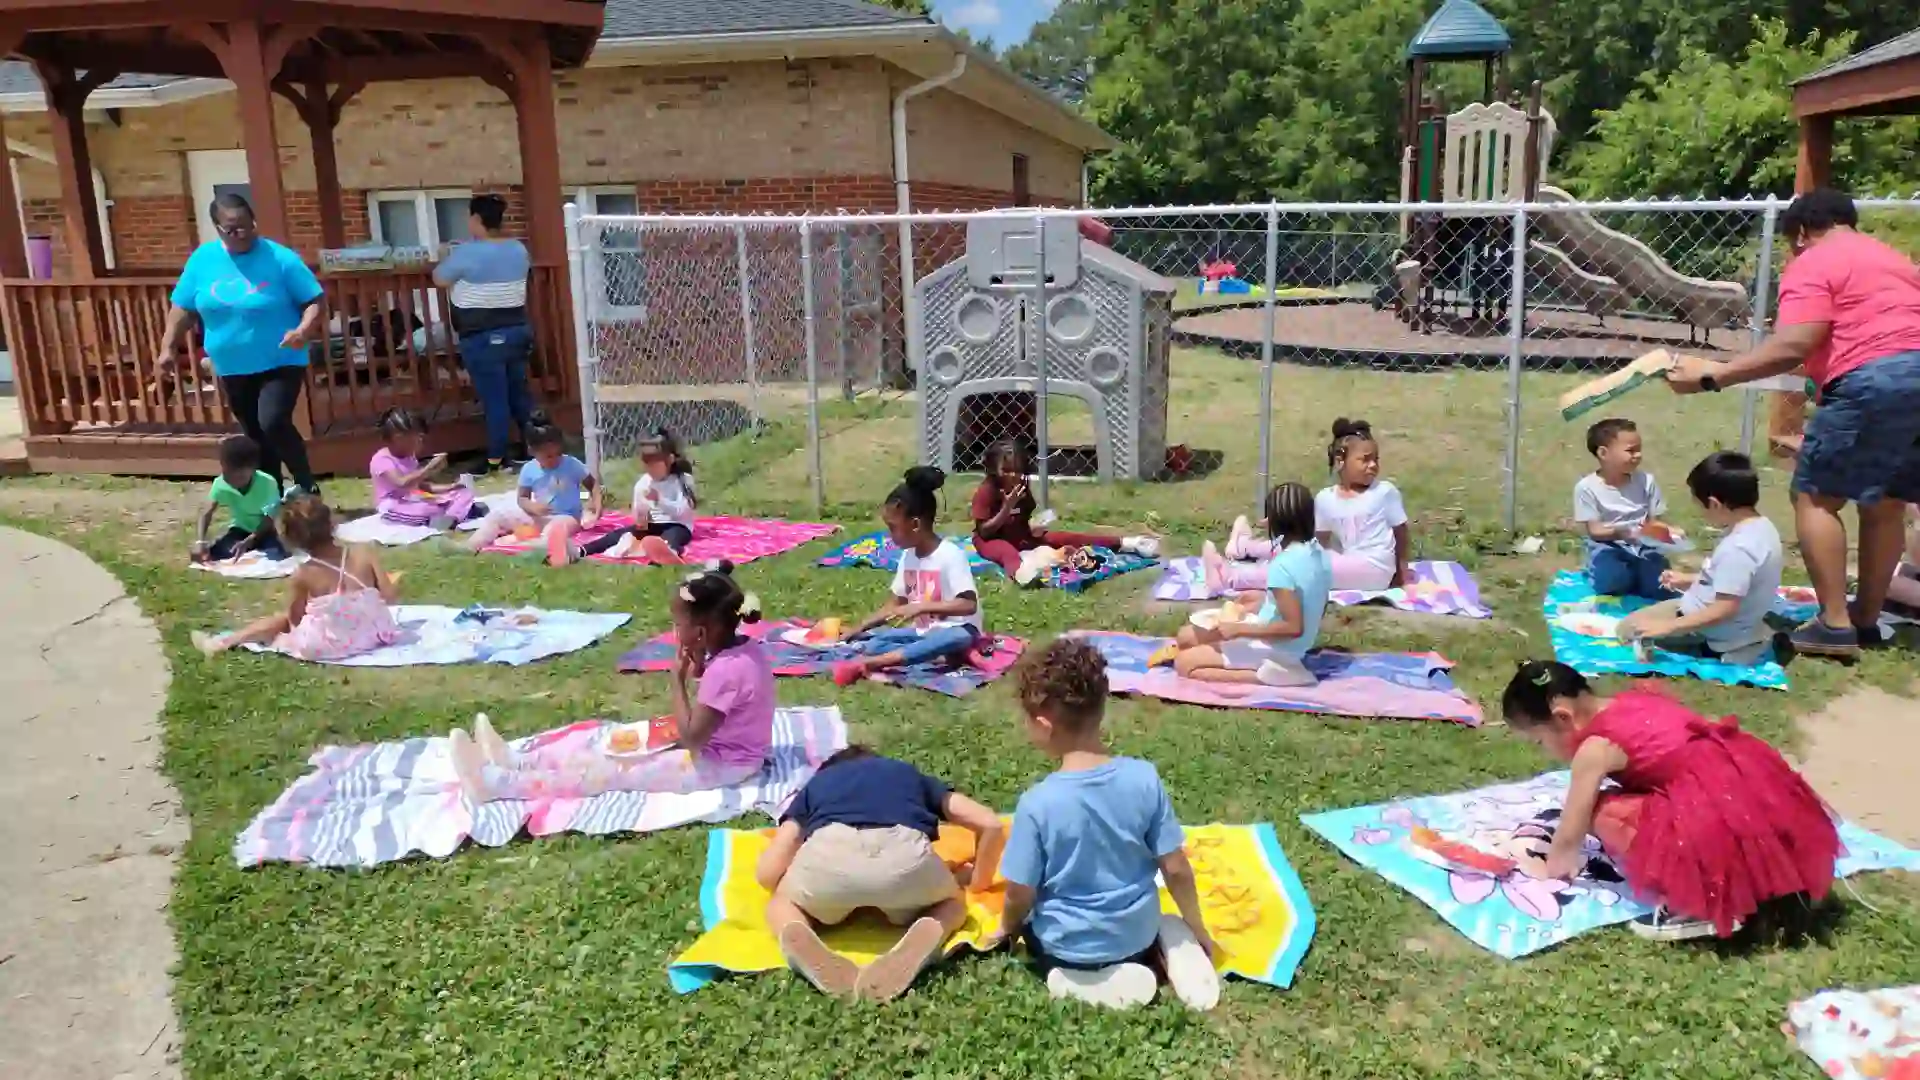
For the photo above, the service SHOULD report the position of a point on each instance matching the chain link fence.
(1189, 357)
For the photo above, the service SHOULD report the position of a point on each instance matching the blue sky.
(1005, 21)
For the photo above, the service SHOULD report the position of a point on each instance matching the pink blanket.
(738, 540)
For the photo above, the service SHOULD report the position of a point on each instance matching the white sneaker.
(1214, 569)
(622, 549)
(1029, 571)
(1147, 547)
(469, 764)
(1284, 673)
(494, 748)
(1116, 986)
(1238, 538)
(1663, 925)
(1189, 970)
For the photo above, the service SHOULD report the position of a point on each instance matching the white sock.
(469, 764)
(1147, 547)
(492, 747)
(1189, 970)
(1116, 986)
(1285, 673)
(621, 549)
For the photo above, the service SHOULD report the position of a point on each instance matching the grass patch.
(547, 959)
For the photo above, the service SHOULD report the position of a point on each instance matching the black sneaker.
(1663, 925)
(1816, 638)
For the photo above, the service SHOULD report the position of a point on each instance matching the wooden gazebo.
(1880, 81)
(84, 347)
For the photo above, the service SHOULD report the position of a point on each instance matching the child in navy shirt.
(860, 835)
(1086, 843)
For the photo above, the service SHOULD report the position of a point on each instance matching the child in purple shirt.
(726, 726)
(401, 491)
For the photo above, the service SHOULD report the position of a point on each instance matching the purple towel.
(1438, 588)
(1407, 686)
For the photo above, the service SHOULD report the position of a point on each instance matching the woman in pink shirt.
(1850, 313)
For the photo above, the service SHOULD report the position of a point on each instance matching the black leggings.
(263, 405)
(676, 535)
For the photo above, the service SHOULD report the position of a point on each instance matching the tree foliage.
(1236, 100)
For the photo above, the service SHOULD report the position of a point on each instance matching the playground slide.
(1644, 275)
(1568, 283)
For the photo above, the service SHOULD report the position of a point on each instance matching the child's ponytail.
(1528, 701)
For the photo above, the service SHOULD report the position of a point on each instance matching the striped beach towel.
(367, 805)
(1437, 588)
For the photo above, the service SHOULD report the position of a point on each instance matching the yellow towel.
(1250, 896)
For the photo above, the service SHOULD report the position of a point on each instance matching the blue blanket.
(1512, 914)
(1572, 591)
(878, 551)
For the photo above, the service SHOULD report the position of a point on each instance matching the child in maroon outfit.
(1003, 517)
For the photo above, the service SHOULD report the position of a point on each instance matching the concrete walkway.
(88, 827)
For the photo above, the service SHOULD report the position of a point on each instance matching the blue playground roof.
(1461, 28)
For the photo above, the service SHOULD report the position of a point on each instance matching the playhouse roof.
(1461, 28)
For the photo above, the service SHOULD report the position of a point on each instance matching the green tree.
(1720, 128)
(1058, 54)
(911, 7)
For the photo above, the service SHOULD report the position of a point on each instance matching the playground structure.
(1457, 263)
(1023, 314)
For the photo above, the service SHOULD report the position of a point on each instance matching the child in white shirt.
(664, 501)
(934, 611)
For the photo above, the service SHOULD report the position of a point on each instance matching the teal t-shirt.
(1307, 570)
(250, 507)
(246, 304)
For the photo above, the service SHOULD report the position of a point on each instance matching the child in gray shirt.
(1722, 612)
(1612, 504)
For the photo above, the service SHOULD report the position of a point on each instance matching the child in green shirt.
(250, 496)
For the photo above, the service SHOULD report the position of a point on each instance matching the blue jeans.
(917, 648)
(496, 360)
(1626, 571)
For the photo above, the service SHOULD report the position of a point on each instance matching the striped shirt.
(487, 280)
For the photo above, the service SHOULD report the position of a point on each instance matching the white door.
(213, 173)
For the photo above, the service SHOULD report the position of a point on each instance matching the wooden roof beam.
(1884, 89)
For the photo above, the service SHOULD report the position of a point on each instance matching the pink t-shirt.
(1867, 291)
(386, 463)
(738, 684)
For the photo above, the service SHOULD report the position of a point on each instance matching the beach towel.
(367, 805)
(738, 540)
(1571, 594)
(1438, 588)
(1508, 912)
(1407, 686)
(253, 566)
(1860, 1034)
(1252, 900)
(430, 634)
(790, 658)
(374, 529)
(877, 551)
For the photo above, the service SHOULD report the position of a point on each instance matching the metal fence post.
(1266, 361)
(1516, 362)
(813, 365)
(583, 350)
(746, 326)
(1762, 294)
(1043, 456)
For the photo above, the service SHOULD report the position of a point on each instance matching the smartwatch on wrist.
(1709, 384)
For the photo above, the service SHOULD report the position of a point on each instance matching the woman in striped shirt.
(487, 278)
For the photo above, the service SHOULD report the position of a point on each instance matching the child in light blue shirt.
(1086, 844)
(558, 496)
(1270, 648)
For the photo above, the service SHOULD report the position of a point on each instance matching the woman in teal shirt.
(257, 305)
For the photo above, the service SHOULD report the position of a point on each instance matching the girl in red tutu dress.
(1704, 820)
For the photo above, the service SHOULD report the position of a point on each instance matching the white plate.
(1680, 543)
(1590, 624)
(644, 727)
(797, 635)
(1206, 619)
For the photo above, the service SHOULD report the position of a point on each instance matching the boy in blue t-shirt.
(1086, 843)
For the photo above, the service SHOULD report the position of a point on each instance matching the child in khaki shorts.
(860, 835)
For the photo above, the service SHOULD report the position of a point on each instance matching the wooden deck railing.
(86, 355)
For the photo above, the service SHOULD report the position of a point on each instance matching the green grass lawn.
(547, 958)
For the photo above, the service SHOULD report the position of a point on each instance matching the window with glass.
(617, 277)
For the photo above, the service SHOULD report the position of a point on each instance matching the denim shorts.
(1863, 442)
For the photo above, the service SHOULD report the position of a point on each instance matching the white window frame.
(423, 200)
(588, 200)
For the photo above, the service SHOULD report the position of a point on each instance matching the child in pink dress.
(726, 725)
(1703, 819)
(401, 490)
(337, 599)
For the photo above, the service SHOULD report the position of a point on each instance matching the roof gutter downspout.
(903, 203)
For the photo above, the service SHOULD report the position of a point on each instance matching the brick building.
(685, 105)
